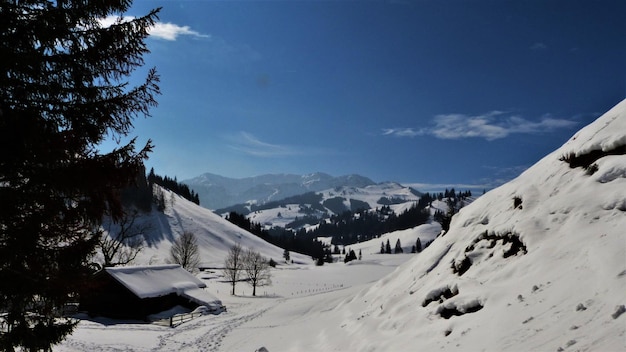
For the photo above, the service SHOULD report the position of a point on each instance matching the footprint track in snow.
(210, 340)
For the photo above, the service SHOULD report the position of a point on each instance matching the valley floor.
(288, 315)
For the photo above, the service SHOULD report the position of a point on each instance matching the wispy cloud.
(170, 31)
(402, 132)
(246, 143)
(538, 46)
(160, 30)
(490, 126)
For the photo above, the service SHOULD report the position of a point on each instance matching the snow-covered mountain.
(217, 192)
(538, 264)
(327, 202)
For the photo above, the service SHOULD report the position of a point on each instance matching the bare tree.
(123, 240)
(184, 251)
(233, 265)
(257, 269)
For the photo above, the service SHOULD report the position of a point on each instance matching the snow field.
(297, 295)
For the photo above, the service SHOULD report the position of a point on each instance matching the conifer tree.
(382, 248)
(388, 247)
(418, 245)
(64, 88)
(398, 248)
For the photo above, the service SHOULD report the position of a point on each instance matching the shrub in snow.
(450, 310)
(619, 311)
(517, 202)
(510, 240)
(460, 267)
(440, 294)
(587, 159)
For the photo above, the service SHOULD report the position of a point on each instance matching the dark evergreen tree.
(360, 255)
(286, 255)
(173, 185)
(350, 256)
(413, 250)
(398, 248)
(388, 247)
(64, 88)
(382, 248)
(418, 245)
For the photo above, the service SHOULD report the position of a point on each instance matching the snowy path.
(200, 336)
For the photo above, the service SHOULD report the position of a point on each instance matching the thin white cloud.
(490, 126)
(455, 126)
(246, 143)
(402, 132)
(170, 31)
(538, 46)
(166, 31)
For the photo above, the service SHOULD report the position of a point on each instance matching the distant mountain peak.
(217, 191)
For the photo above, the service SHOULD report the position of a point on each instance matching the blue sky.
(435, 92)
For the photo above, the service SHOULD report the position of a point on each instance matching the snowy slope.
(215, 235)
(562, 287)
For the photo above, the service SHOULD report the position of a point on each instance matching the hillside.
(217, 192)
(536, 264)
(215, 235)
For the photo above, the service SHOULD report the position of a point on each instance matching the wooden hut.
(135, 292)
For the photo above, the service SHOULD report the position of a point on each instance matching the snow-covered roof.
(160, 280)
